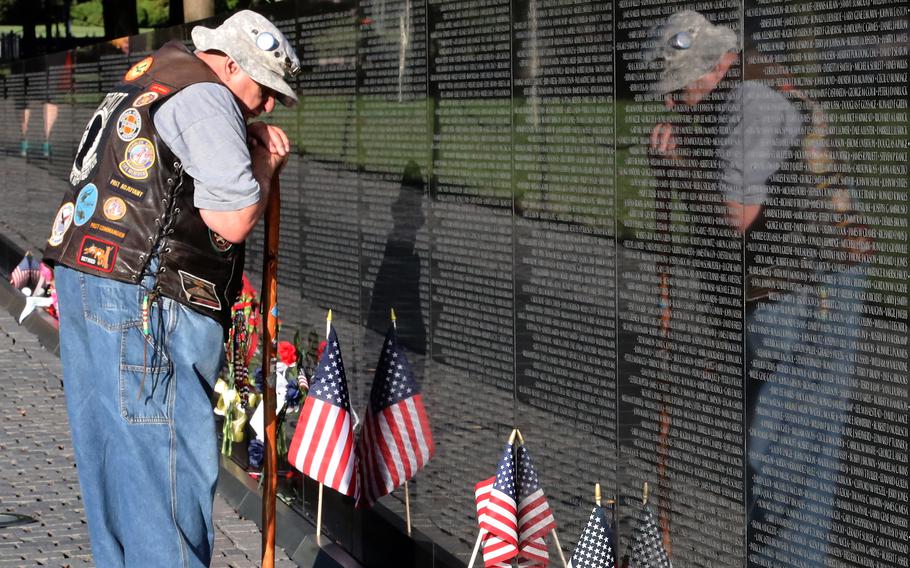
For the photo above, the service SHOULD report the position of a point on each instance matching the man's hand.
(271, 137)
(663, 142)
(265, 163)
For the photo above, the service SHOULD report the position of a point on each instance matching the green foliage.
(152, 13)
(87, 13)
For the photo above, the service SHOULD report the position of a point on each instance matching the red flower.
(287, 353)
(319, 351)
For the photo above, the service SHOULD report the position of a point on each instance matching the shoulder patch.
(145, 99)
(139, 69)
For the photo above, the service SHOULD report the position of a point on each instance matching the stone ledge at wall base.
(293, 533)
(376, 536)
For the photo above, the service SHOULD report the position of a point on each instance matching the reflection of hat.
(258, 48)
(689, 46)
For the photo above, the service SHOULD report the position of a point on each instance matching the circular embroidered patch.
(114, 208)
(85, 204)
(220, 243)
(138, 159)
(145, 99)
(128, 124)
(62, 222)
(138, 69)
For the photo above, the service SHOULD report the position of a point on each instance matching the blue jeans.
(141, 418)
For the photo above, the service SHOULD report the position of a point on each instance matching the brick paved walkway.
(38, 476)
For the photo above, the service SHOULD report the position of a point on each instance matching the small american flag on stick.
(25, 273)
(323, 443)
(535, 519)
(497, 512)
(595, 548)
(396, 441)
(647, 545)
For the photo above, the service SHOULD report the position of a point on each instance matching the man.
(167, 183)
(767, 149)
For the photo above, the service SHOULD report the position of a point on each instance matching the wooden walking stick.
(269, 349)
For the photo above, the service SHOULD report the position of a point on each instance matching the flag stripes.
(323, 443)
(396, 441)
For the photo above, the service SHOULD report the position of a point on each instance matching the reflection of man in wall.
(792, 450)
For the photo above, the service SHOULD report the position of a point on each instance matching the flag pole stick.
(407, 493)
(328, 330)
(269, 344)
(597, 494)
(319, 517)
(644, 493)
(559, 549)
(476, 547)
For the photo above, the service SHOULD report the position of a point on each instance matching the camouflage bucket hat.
(258, 47)
(689, 46)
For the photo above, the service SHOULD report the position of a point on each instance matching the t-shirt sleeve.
(203, 126)
(763, 129)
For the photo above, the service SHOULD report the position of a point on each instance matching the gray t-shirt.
(204, 127)
(763, 127)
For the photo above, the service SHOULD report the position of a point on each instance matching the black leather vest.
(130, 199)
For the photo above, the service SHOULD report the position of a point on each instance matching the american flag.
(396, 440)
(323, 443)
(595, 547)
(497, 513)
(535, 519)
(647, 546)
(26, 273)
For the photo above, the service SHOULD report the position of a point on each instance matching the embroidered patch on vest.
(139, 69)
(62, 222)
(112, 230)
(220, 243)
(97, 254)
(133, 193)
(159, 88)
(87, 153)
(85, 204)
(128, 125)
(145, 99)
(138, 159)
(199, 292)
(114, 208)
